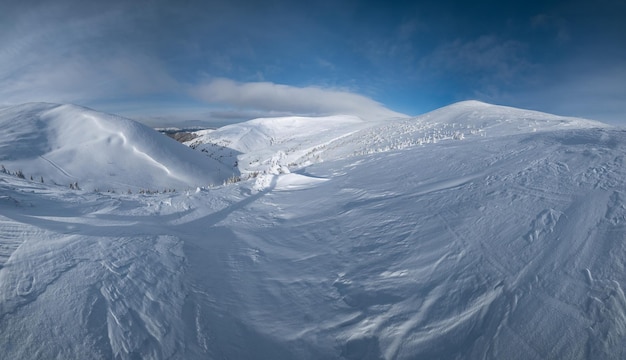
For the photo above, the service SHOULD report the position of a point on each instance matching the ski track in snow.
(399, 242)
(56, 166)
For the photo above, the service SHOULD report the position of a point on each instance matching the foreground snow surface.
(510, 246)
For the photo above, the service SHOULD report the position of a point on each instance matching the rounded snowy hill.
(65, 144)
(503, 120)
(257, 145)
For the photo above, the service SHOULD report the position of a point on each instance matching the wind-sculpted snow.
(507, 244)
(250, 146)
(66, 144)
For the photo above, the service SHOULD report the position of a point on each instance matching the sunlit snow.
(472, 232)
(66, 144)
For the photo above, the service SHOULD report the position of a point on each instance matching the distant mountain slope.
(299, 141)
(251, 145)
(66, 144)
(503, 120)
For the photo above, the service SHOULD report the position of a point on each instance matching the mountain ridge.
(306, 140)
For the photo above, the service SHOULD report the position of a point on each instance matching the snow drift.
(66, 144)
(405, 240)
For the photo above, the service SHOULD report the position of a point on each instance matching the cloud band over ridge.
(309, 100)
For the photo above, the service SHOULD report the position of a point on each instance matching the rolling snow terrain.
(68, 144)
(472, 232)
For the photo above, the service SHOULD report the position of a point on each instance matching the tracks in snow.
(12, 235)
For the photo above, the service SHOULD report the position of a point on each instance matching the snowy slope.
(250, 146)
(254, 146)
(507, 244)
(66, 144)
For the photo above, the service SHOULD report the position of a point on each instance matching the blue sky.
(227, 61)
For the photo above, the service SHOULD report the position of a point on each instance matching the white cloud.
(594, 93)
(50, 53)
(272, 97)
(79, 79)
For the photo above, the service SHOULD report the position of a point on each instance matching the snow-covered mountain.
(472, 232)
(66, 144)
(254, 146)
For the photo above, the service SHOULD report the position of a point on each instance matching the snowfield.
(472, 232)
(68, 144)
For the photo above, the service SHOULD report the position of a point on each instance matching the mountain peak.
(471, 103)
